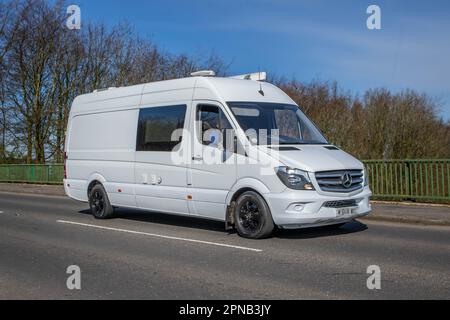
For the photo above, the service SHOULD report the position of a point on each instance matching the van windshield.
(276, 124)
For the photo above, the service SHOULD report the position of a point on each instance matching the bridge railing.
(419, 180)
(32, 173)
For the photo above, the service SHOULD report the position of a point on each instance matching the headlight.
(294, 178)
(366, 177)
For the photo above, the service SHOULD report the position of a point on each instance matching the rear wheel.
(252, 216)
(99, 203)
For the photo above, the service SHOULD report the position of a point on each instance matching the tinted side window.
(156, 127)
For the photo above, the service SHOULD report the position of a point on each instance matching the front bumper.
(303, 209)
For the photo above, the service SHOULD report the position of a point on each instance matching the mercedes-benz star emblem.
(347, 180)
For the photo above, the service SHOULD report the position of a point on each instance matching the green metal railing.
(419, 180)
(38, 174)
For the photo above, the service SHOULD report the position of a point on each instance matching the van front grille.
(341, 204)
(342, 181)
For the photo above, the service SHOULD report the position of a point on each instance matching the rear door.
(211, 173)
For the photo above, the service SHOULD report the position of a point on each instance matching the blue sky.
(311, 39)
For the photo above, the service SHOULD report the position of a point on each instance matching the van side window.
(156, 128)
(210, 117)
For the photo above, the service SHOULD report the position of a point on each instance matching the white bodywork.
(101, 148)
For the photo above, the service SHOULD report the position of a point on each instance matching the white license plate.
(343, 212)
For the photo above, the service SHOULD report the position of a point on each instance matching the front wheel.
(99, 203)
(252, 216)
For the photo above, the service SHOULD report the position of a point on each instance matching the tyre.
(252, 217)
(99, 203)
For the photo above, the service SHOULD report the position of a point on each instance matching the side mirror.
(229, 142)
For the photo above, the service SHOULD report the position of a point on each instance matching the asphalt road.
(155, 256)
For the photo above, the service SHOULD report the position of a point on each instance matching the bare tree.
(31, 85)
(44, 66)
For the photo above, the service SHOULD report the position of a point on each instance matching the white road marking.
(1, 212)
(159, 236)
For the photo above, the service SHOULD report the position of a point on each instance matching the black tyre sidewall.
(108, 210)
(267, 226)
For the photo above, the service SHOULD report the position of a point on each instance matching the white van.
(165, 147)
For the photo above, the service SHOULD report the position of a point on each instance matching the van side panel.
(104, 136)
(103, 145)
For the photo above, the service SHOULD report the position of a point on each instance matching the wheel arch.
(242, 186)
(246, 184)
(94, 180)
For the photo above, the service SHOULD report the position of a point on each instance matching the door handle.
(197, 158)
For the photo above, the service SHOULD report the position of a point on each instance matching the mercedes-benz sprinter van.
(237, 150)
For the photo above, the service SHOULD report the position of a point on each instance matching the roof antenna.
(261, 91)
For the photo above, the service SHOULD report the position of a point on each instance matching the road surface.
(155, 256)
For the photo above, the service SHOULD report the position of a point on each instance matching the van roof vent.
(203, 73)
